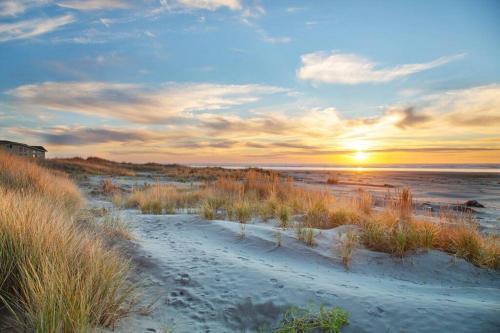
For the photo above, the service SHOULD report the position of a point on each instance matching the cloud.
(11, 8)
(136, 103)
(16, 7)
(62, 136)
(344, 68)
(410, 118)
(32, 28)
(294, 9)
(89, 5)
(272, 39)
(472, 107)
(185, 120)
(212, 5)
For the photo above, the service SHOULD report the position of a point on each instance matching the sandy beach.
(215, 276)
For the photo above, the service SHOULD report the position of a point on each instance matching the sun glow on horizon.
(360, 156)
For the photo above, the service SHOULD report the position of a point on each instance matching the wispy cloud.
(32, 28)
(136, 103)
(11, 8)
(293, 9)
(272, 39)
(211, 5)
(16, 7)
(76, 136)
(88, 5)
(345, 68)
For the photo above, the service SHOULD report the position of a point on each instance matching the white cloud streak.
(136, 103)
(212, 5)
(344, 68)
(89, 5)
(32, 28)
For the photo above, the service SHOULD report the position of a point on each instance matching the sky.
(248, 81)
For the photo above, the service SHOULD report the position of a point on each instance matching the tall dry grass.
(393, 229)
(54, 276)
(19, 174)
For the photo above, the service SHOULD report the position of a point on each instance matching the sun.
(360, 156)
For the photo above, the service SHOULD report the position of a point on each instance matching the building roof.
(40, 148)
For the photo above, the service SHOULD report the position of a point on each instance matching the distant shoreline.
(457, 169)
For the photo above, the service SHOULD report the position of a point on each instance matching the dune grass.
(54, 275)
(305, 321)
(393, 228)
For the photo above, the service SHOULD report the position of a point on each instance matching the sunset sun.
(360, 156)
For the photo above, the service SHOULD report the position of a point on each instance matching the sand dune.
(206, 277)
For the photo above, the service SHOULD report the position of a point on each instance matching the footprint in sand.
(183, 278)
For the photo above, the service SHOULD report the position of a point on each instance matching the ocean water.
(460, 168)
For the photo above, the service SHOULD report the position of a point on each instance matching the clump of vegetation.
(113, 226)
(208, 210)
(90, 165)
(347, 245)
(363, 201)
(394, 229)
(333, 179)
(242, 211)
(277, 238)
(54, 275)
(305, 234)
(283, 213)
(107, 187)
(304, 321)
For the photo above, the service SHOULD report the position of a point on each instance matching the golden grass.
(90, 165)
(54, 276)
(347, 245)
(21, 174)
(395, 229)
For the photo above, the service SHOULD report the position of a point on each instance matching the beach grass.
(55, 276)
(393, 228)
(297, 320)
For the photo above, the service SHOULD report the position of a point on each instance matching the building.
(22, 149)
